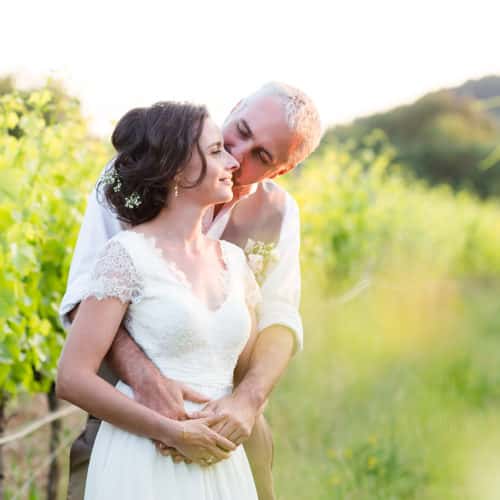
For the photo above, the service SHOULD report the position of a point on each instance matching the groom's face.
(258, 136)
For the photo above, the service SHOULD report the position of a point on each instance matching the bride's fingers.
(219, 454)
(166, 452)
(162, 448)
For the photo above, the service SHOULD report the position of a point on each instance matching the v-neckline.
(180, 276)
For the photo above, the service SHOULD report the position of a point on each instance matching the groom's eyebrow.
(250, 133)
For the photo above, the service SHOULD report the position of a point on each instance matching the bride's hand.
(196, 441)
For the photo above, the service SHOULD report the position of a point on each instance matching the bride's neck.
(180, 222)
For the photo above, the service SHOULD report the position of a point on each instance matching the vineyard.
(396, 394)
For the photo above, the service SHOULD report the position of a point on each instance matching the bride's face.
(216, 186)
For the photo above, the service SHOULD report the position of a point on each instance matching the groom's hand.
(240, 417)
(165, 395)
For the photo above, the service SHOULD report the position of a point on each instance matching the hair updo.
(153, 144)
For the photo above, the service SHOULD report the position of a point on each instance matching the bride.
(187, 300)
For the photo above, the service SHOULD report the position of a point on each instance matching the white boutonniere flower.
(260, 255)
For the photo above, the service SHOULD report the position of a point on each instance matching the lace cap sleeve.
(114, 275)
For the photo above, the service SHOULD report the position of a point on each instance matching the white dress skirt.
(188, 342)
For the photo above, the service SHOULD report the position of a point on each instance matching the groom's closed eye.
(262, 154)
(244, 129)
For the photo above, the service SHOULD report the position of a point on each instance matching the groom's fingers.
(223, 443)
(236, 437)
(225, 428)
(220, 425)
(191, 395)
(213, 421)
(200, 414)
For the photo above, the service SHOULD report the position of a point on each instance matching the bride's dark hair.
(153, 144)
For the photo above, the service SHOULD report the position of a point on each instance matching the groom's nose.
(239, 152)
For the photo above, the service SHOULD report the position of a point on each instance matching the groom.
(269, 133)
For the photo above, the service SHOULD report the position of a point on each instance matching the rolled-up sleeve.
(282, 284)
(98, 226)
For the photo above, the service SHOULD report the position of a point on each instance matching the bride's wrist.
(171, 432)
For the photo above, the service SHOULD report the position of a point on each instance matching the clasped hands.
(206, 436)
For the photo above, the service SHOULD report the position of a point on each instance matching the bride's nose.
(232, 163)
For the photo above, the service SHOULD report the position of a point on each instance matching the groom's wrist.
(251, 396)
(146, 375)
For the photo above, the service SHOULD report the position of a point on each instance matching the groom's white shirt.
(280, 288)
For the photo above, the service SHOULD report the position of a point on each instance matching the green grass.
(396, 395)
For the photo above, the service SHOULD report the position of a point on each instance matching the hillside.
(449, 136)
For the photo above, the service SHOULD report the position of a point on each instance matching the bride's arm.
(78, 382)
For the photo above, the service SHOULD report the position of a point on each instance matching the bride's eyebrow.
(218, 144)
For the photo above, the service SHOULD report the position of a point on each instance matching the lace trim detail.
(180, 275)
(114, 275)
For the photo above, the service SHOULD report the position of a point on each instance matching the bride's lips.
(228, 181)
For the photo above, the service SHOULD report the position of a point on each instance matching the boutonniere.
(260, 255)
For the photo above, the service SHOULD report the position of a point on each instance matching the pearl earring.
(176, 190)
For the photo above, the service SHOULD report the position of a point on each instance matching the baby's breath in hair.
(111, 178)
(133, 201)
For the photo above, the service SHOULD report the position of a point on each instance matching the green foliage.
(442, 138)
(366, 410)
(359, 215)
(47, 169)
(395, 396)
(396, 392)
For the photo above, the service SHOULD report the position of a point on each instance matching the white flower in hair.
(133, 201)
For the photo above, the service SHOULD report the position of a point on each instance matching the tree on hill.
(443, 137)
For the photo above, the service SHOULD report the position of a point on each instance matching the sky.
(352, 57)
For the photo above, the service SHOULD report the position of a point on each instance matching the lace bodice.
(186, 339)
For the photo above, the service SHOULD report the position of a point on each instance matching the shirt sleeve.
(252, 290)
(98, 226)
(282, 283)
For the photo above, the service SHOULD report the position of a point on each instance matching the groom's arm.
(150, 386)
(98, 226)
(280, 334)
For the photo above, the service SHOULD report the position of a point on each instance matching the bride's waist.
(210, 390)
(208, 376)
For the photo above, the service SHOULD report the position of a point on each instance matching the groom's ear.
(281, 171)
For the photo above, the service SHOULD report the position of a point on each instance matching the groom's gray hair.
(301, 115)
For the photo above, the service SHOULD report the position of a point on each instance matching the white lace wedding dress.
(189, 342)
